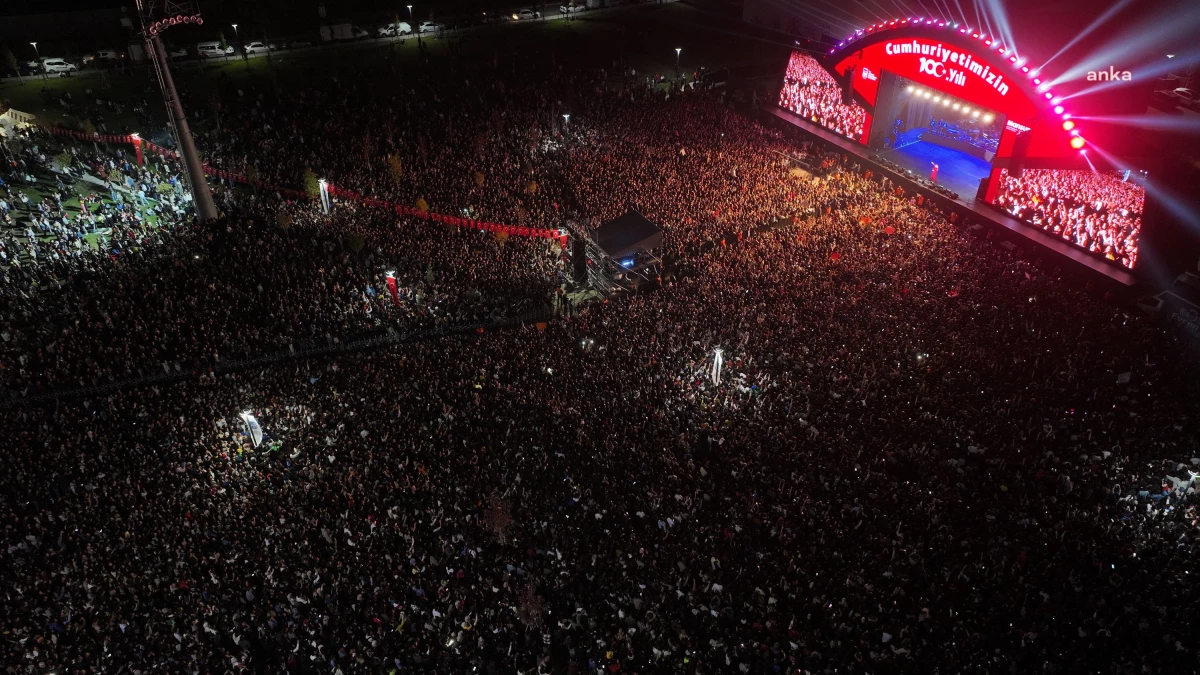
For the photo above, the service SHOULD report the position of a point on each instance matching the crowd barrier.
(140, 145)
(175, 371)
(452, 221)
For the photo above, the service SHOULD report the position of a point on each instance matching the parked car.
(60, 66)
(208, 50)
(571, 9)
(256, 47)
(180, 53)
(394, 29)
(24, 69)
(100, 57)
(525, 15)
(300, 44)
(430, 27)
(494, 17)
(342, 31)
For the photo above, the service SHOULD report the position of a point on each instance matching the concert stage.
(960, 146)
(958, 170)
(969, 210)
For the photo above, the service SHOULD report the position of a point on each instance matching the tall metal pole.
(201, 196)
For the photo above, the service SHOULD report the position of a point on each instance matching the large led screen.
(1100, 212)
(811, 92)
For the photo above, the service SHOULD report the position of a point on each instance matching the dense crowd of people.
(80, 190)
(922, 454)
(811, 92)
(159, 293)
(1098, 211)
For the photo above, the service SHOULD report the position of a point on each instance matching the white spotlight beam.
(1152, 35)
(985, 21)
(961, 14)
(998, 13)
(1187, 125)
(1151, 71)
(944, 10)
(1100, 20)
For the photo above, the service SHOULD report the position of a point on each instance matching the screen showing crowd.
(1097, 211)
(811, 92)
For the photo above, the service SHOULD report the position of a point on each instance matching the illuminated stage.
(927, 99)
(958, 168)
(970, 211)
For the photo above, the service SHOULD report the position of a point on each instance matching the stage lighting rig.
(157, 16)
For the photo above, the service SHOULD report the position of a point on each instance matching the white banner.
(253, 428)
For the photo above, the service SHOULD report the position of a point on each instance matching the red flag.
(835, 256)
(889, 229)
(391, 284)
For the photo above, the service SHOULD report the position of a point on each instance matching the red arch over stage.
(992, 118)
(966, 64)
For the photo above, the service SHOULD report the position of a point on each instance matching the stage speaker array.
(847, 82)
(981, 192)
(579, 259)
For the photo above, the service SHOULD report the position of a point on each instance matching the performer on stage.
(933, 174)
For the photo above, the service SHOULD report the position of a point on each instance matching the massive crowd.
(923, 454)
(161, 293)
(122, 204)
(811, 92)
(1098, 211)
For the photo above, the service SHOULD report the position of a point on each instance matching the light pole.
(412, 24)
(150, 17)
(677, 52)
(566, 120)
(718, 361)
(41, 66)
(237, 39)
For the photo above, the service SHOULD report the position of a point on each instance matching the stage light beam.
(1100, 21)
(1186, 125)
(1130, 46)
(1148, 72)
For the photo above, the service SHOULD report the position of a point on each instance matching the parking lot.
(328, 35)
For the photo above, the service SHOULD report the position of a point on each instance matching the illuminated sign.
(868, 75)
(947, 64)
(1018, 128)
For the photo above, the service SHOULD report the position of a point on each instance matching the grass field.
(37, 193)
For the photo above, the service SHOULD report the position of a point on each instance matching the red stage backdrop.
(1059, 191)
(966, 64)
